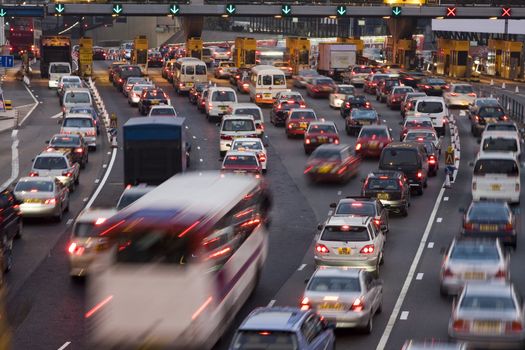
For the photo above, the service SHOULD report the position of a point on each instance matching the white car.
(56, 71)
(461, 95)
(357, 75)
(162, 111)
(435, 109)
(81, 124)
(233, 127)
(252, 144)
(136, 91)
(288, 95)
(218, 101)
(250, 109)
(500, 141)
(285, 68)
(337, 97)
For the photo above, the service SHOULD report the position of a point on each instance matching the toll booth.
(298, 53)
(442, 62)
(85, 57)
(511, 60)
(139, 54)
(406, 53)
(459, 58)
(244, 52)
(359, 46)
(194, 48)
(494, 57)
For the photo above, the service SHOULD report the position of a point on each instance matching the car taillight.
(453, 94)
(514, 326)
(321, 248)
(75, 249)
(472, 94)
(67, 173)
(358, 305)
(358, 147)
(33, 173)
(50, 201)
(120, 80)
(460, 325)
(445, 87)
(448, 273)
(226, 137)
(245, 85)
(419, 174)
(336, 141)
(501, 274)
(290, 125)
(427, 87)
(262, 157)
(432, 160)
(468, 226)
(508, 227)
(305, 304)
(79, 150)
(341, 170)
(347, 104)
(377, 222)
(210, 105)
(367, 249)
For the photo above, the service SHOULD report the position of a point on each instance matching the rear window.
(34, 186)
(130, 71)
(486, 211)
(399, 157)
(436, 81)
(71, 80)
(368, 114)
(356, 208)
(270, 340)
(491, 112)
(227, 65)
(369, 132)
(376, 184)
(240, 160)
(247, 145)
(474, 252)
(430, 107)
(324, 81)
(200, 69)
(163, 111)
(60, 68)
(500, 144)
(223, 96)
(402, 90)
(501, 127)
(279, 80)
(487, 302)
(127, 198)
(78, 123)
(418, 124)
(50, 163)
(322, 129)
(327, 154)
(77, 97)
(238, 125)
(65, 141)
(84, 229)
(334, 284)
(249, 111)
(420, 136)
(362, 69)
(139, 88)
(302, 115)
(463, 89)
(347, 90)
(345, 233)
(496, 166)
(155, 94)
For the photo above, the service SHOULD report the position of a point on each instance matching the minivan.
(76, 98)
(435, 109)
(411, 159)
(56, 71)
(496, 176)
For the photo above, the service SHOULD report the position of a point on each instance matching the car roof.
(380, 126)
(389, 173)
(417, 119)
(406, 145)
(489, 288)
(430, 98)
(74, 136)
(53, 153)
(220, 88)
(348, 220)
(345, 85)
(237, 117)
(246, 105)
(162, 106)
(497, 155)
(460, 84)
(422, 130)
(79, 115)
(75, 90)
(92, 214)
(335, 271)
(500, 134)
(274, 318)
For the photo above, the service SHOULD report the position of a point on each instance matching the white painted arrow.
(56, 116)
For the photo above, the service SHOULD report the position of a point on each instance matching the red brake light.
(460, 325)
(321, 248)
(377, 222)
(468, 226)
(357, 305)
(472, 94)
(75, 249)
(367, 249)
(501, 274)
(67, 173)
(514, 326)
(79, 150)
(432, 160)
(305, 303)
(509, 227)
(50, 201)
(33, 173)
(307, 141)
(419, 174)
(453, 94)
(448, 273)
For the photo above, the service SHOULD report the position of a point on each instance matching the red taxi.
(241, 162)
(415, 123)
(298, 121)
(331, 162)
(372, 139)
(320, 87)
(319, 133)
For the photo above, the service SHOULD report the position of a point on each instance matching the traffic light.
(231, 9)
(451, 12)
(286, 10)
(396, 11)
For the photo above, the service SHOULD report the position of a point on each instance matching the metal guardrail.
(514, 104)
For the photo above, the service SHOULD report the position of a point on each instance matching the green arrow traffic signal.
(231, 9)
(117, 9)
(286, 10)
(174, 9)
(396, 10)
(59, 8)
(341, 10)
(3, 13)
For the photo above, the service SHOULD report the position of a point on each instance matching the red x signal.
(451, 12)
(505, 12)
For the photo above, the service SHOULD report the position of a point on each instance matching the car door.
(383, 215)
(7, 214)
(314, 333)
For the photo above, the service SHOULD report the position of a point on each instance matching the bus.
(176, 266)
(24, 36)
(265, 83)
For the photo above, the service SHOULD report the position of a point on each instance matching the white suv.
(435, 109)
(218, 101)
(233, 127)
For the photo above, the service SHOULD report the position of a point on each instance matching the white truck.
(335, 58)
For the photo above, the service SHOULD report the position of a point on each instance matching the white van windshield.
(60, 68)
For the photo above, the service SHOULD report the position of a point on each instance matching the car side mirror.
(218, 124)
(333, 205)
(33, 159)
(320, 227)
(306, 281)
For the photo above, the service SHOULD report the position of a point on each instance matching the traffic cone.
(114, 142)
(503, 86)
(447, 181)
(517, 90)
(491, 82)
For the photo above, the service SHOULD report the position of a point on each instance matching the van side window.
(190, 70)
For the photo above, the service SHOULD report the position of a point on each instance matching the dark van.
(410, 158)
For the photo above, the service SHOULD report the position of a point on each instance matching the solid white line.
(23, 106)
(14, 160)
(56, 116)
(430, 245)
(439, 220)
(32, 109)
(271, 303)
(410, 276)
(66, 344)
(404, 316)
(419, 276)
(104, 179)
(339, 193)
(301, 267)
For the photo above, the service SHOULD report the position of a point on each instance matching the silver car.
(488, 315)
(432, 345)
(472, 260)
(347, 297)
(42, 196)
(59, 165)
(136, 91)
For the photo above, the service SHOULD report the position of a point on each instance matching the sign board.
(86, 57)
(449, 156)
(7, 61)
(86, 43)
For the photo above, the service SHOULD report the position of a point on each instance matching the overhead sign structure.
(7, 61)
(117, 9)
(230, 9)
(451, 12)
(506, 12)
(60, 8)
(341, 10)
(396, 11)
(174, 9)
(286, 10)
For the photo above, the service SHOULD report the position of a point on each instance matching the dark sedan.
(351, 102)
(151, 97)
(320, 87)
(411, 78)
(359, 117)
(432, 86)
(391, 188)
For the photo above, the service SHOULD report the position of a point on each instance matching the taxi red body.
(298, 120)
(372, 139)
(319, 133)
(332, 163)
(415, 124)
(241, 162)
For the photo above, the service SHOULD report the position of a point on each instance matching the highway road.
(46, 308)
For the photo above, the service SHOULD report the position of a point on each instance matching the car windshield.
(368, 114)
(50, 163)
(500, 144)
(430, 107)
(265, 340)
(347, 90)
(402, 90)
(486, 211)
(60, 68)
(247, 145)
(373, 133)
(496, 166)
(463, 89)
(65, 141)
(238, 125)
(491, 112)
(327, 154)
(77, 97)
(78, 123)
(399, 157)
(488, 302)
(302, 115)
(378, 183)
(129, 197)
(35, 186)
(356, 208)
(345, 233)
(163, 111)
(334, 284)
(315, 128)
(240, 160)
(470, 251)
(249, 111)
(223, 96)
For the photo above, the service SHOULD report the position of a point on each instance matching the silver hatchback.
(42, 196)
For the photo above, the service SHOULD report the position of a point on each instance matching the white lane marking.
(36, 95)
(69, 222)
(404, 316)
(439, 220)
(430, 245)
(419, 276)
(104, 166)
(271, 303)
(56, 116)
(15, 167)
(104, 179)
(85, 199)
(66, 344)
(97, 181)
(198, 147)
(109, 152)
(201, 160)
(301, 267)
(410, 276)
(445, 199)
(23, 106)
(32, 108)
(194, 137)
(339, 193)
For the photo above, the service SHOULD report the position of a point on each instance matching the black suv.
(10, 226)
(390, 187)
(411, 159)
(350, 102)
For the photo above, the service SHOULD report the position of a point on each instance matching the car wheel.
(7, 246)
(18, 233)
(369, 326)
(77, 180)
(66, 209)
(380, 307)
(419, 190)
(58, 217)
(72, 187)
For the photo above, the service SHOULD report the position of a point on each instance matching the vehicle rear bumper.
(497, 195)
(35, 210)
(489, 341)
(369, 264)
(345, 319)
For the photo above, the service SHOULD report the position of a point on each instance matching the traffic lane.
(5, 155)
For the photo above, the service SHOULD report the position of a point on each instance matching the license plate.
(154, 102)
(223, 108)
(267, 95)
(32, 200)
(474, 275)
(303, 125)
(330, 306)
(496, 187)
(490, 120)
(383, 196)
(324, 169)
(189, 84)
(488, 228)
(364, 122)
(322, 139)
(373, 144)
(343, 251)
(487, 326)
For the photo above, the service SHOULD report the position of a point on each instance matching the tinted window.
(163, 111)
(35, 186)
(334, 284)
(474, 252)
(78, 123)
(418, 124)
(267, 80)
(65, 141)
(402, 90)
(362, 69)
(369, 132)
(485, 211)
(487, 302)
(375, 184)
(62, 68)
(491, 112)
(430, 107)
(249, 111)
(322, 129)
(420, 136)
(302, 115)
(262, 340)
(496, 166)
(247, 145)
(77, 97)
(356, 208)
(345, 234)
(347, 90)
(240, 160)
(399, 157)
(127, 198)
(130, 71)
(463, 89)
(368, 114)
(189, 70)
(50, 163)
(500, 144)
(223, 96)
(238, 125)
(200, 69)
(279, 79)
